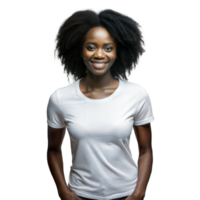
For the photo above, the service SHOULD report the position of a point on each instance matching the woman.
(99, 110)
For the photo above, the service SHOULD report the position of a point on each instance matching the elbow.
(146, 151)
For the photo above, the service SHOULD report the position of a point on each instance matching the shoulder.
(54, 97)
(134, 88)
(63, 92)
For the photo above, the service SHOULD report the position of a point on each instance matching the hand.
(68, 195)
(135, 197)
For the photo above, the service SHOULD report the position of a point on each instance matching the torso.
(95, 94)
(98, 95)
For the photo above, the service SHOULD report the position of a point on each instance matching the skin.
(98, 83)
(145, 161)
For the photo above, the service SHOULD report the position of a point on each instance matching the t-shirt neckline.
(97, 100)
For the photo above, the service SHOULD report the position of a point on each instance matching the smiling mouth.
(99, 65)
(98, 62)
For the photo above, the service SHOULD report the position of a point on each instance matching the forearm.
(55, 163)
(145, 162)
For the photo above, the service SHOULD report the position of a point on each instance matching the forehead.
(99, 34)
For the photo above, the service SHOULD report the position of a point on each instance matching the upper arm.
(55, 138)
(143, 136)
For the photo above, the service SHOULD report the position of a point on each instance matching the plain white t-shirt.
(100, 129)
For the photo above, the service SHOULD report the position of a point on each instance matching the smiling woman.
(100, 109)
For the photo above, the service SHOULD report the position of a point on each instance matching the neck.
(98, 82)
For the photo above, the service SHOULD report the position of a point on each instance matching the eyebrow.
(96, 43)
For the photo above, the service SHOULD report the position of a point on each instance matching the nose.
(99, 53)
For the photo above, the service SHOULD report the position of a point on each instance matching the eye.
(107, 48)
(90, 48)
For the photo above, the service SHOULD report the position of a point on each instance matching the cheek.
(86, 60)
(113, 57)
(87, 54)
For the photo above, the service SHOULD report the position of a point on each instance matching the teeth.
(99, 64)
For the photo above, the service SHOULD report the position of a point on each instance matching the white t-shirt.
(100, 129)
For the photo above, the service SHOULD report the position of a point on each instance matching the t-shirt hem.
(54, 126)
(146, 121)
(101, 198)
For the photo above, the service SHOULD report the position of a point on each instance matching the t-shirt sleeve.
(54, 115)
(144, 113)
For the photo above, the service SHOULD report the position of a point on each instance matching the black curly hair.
(125, 31)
